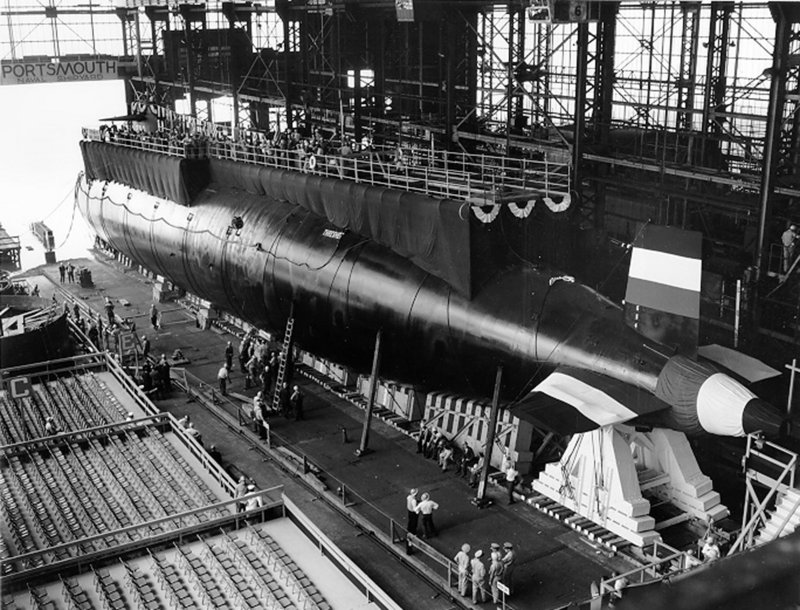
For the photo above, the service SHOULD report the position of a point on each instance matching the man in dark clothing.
(154, 316)
(145, 347)
(264, 378)
(71, 272)
(109, 307)
(76, 311)
(214, 454)
(93, 337)
(163, 373)
(229, 356)
(62, 272)
(296, 402)
(283, 400)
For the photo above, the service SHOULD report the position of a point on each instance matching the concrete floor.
(555, 565)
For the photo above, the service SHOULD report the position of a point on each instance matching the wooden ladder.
(287, 344)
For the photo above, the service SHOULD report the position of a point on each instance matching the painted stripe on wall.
(671, 240)
(673, 300)
(589, 401)
(666, 268)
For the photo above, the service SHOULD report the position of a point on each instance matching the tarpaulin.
(433, 233)
(166, 176)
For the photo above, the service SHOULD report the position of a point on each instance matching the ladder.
(287, 344)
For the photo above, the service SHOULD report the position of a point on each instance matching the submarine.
(345, 260)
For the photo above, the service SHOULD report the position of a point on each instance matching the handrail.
(373, 592)
(478, 178)
(754, 447)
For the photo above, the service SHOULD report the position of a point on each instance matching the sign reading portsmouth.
(57, 71)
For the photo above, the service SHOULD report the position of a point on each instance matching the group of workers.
(472, 571)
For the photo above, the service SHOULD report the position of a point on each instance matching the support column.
(480, 500)
(376, 361)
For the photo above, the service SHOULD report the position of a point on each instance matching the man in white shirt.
(411, 507)
(222, 377)
(426, 508)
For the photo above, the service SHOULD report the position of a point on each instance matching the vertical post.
(376, 360)
(480, 499)
(794, 370)
(737, 311)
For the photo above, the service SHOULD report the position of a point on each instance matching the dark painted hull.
(344, 287)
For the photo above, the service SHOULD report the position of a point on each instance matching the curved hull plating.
(345, 287)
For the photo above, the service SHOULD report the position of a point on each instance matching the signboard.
(55, 71)
(128, 343)
(19, 387)
(503, 588)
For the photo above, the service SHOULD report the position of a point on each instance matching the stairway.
(784, 519)
(287, 344)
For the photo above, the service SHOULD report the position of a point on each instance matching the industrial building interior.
(684, 114)
(696, 102)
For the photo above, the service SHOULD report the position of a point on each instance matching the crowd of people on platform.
(306, 148)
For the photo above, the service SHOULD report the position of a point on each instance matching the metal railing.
(478, 178)
(783, 464)
(430, 563)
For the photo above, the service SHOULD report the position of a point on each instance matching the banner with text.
(28, 72)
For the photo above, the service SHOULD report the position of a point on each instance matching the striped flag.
(666, 270)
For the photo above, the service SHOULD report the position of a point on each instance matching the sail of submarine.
(342, 287)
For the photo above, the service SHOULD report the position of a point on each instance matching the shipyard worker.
(35, 290)
(93, 335)
(50, 426)
(283, 399)
(711, 551)
(252, 371)
(229, 355)
(241, 489)
(411, 508)
(789, 241)
(475, 471)
(145, 347)
(496, 569)
(259, 413)
(505, 462)
(468, 460)
(478, 577)
(162, 368)
(76, 311)
(509, 562)
(426, 508)
(184, 421)
(154, 316)
(296, 403)
(620, 583)
(255, 501)
(214, 454)
(445, 456)
(244, 350)
(222, 378)
(511, 480)
(109, 307)
(462, 563)
(194, 433)
(62, 272)
(71, 272)
(265, 378)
